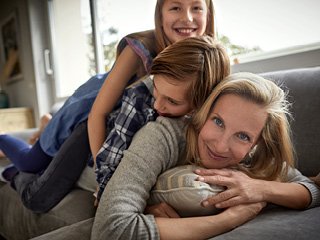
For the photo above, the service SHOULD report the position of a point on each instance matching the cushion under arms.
(179, 188)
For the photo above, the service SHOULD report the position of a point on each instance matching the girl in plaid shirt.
(182, 76)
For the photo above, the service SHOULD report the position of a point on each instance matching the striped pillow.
(178, 188)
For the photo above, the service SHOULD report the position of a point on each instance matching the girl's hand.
(161, 210)
(316, 179)
(240, 188)
(244, 212)
(95, 194)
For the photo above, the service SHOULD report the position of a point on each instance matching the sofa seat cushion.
(278, 223)
(79, 231)
(75, 207)
(272, 223)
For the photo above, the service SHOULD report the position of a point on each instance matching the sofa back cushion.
(303, 86)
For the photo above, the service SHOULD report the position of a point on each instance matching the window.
(276, 26)
(71, 44)
(118, 18)
(76, 55)
(249, 29)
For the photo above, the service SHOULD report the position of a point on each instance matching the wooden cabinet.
(16, 119)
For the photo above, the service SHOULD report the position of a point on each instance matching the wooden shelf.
(16, 119)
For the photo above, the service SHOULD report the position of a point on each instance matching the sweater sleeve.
(295, 176)
(154, 149)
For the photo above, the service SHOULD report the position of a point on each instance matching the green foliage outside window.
(110, 50)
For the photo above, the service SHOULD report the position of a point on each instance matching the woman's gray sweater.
(158, 146)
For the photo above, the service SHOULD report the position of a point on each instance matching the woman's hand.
(240, 188)
(161, 210)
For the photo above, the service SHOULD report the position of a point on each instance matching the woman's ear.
(253, 150)
(189, 114)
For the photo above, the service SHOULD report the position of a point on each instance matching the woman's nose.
(222, 144)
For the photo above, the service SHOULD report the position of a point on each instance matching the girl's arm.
(171, 226)
(298, 192)
(154, 149)
(209, 226)
(124, 68)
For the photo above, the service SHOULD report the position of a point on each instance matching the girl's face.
(184, 18)
(231, 131)
(171, 96)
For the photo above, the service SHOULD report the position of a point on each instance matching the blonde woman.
(243, 113)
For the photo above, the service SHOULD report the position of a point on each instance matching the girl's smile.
(184, 18)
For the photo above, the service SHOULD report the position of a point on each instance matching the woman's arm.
(298, 192)
(154, 149)
(124, 68)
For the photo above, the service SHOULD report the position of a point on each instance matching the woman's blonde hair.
(201, 58)
(161, 39)
(274, 150)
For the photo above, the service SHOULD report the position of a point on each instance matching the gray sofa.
(72, 218)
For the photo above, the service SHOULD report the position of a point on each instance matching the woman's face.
(231, 131)
(184, 18)
(171, 96)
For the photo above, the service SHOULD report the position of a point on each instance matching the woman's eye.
(244, 137)
(218, 122)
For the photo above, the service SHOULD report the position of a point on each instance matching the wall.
(22, 92)
(33, 90)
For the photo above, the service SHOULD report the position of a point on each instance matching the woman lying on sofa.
(243, 126)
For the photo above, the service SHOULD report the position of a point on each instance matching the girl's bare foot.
(44, 120)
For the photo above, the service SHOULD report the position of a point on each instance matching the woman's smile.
(215, 156)
(229, 134)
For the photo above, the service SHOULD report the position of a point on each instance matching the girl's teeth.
(185, 30)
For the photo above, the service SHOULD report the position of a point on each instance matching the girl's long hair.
(201, 60)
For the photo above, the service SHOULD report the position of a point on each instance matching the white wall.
(22, 92)
(34, 89)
